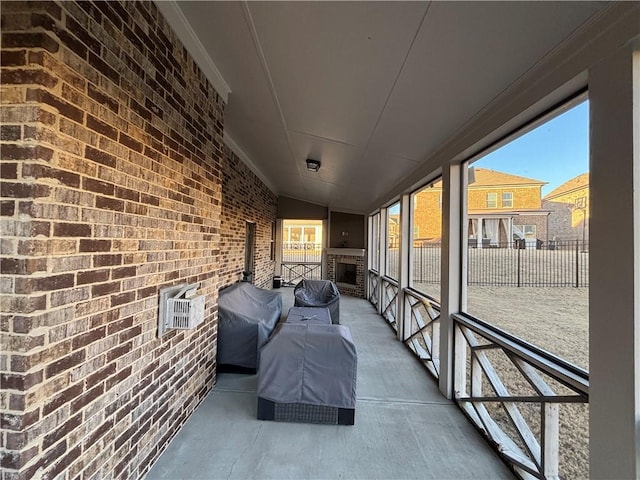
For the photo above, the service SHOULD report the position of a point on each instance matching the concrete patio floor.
(404, 428)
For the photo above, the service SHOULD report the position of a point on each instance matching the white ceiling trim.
(230, 142)
(176, 19)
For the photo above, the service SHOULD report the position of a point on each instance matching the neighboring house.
(394, 230)
(569, 207)
(298, 234)
(501, 208)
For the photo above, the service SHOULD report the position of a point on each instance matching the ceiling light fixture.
(313, 165)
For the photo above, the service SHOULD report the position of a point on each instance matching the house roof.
(581, 181)
(483, 177)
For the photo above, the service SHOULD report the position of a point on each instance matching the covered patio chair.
(318, 293)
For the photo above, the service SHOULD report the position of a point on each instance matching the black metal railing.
(301, 252)
(292, 273)
(518, 264)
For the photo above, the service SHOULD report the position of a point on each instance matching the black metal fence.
(518, 264)
(301, 252)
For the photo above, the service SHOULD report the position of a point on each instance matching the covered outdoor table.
(309, 315)
(318, 293)
(247, 316)
(308, 374)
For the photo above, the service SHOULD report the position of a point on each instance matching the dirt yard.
(556, 320)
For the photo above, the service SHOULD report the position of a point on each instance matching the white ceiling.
(370, 89)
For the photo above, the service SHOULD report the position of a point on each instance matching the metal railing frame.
(538, 456)
(292, 272)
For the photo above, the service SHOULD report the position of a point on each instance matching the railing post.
(551, 440)
(577, 264)
(518, 263)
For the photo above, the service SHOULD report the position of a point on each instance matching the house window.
(507, 200)
(529, 231)
(581, 202)
(492, 200)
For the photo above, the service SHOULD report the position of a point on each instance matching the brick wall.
(524, 197)
(245, 199)
(540, 221)
(357, 290)
(427, 215)
(566, 221)
(112, 168)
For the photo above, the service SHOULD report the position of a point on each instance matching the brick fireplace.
(346, 267)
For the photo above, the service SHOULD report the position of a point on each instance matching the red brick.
(13, 58)
(19, 422)
(90, 245)
(44, 284)
(62, 431)
(85, 339)
(64, 108)
(105, 289)
(101, 375)
(120, 325)
(107, 260)
(99, 156)
(101, 127)
(21, 382)
(44, 171)
(71, 230)
(122, 298)
(106, 203)
(22, 266)
(118, 351)
(98, 186)
(133, 144)
(29, 40)
(63, 397)
(86, 398)
(28, 77)
(65, 363)
(92, 276)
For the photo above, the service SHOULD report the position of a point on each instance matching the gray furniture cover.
(309, 364)
(247, 315)
(318, 293)
(309, 315)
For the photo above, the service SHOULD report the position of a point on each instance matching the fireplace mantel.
(347, 252)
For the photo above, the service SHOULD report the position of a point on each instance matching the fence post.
(518, 263)
(577, 263)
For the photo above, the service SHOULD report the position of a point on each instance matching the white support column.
(382, 259)
(614, 267)
(278, 248)
(453, 267)
(324, 267)
(406, 238)
(370, 252)
(510, 233)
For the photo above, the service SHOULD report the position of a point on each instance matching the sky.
(555, 152)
